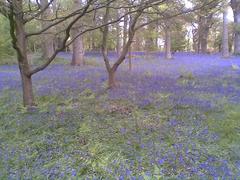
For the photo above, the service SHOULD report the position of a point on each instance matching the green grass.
(227, 126)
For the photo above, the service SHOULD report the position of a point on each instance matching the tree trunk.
(203, 43)
(237, 31)
(202, 39)
(195, 40)
(225, 45)
(78, 46)
(168, 54)
(47, 46)
(78, 49)
(28, 98)
(125, 30)
(48, 38)
(131, 32)
(130, 58)
(204, 25)
(19, 42)
(111, 80)
(118, 45)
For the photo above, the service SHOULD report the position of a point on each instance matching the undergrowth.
(87, 136)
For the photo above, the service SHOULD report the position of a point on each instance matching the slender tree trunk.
(225, 45)
(195, 40)
(131, 32)
(78, 46)
(168, 53)
(130, 58)
(125, 30)
(118, 45)
(28, 98)
(48, 38)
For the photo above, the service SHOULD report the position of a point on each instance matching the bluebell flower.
(161, 161)
(74, 172)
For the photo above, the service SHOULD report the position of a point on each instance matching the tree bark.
(204, 25)
(168, 53)
(48, 38)
(125, 29)
(235, 4)
(130, 58)
(111, 80)
(28, 98)
(19, 42)
(203, 42)
(225, 45)
(195, 40)
(78, 46)
(118, 38)
(78, 49)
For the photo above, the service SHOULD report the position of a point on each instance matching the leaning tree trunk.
(17, 31)
(168, 53)
(48, 38)
(235, 4)
(78, 46)
(225, 45)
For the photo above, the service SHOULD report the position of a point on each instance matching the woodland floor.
(176, 119)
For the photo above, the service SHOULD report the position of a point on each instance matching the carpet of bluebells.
(168, 119)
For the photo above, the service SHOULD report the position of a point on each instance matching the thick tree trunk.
(111, 80)
(78, 46)
(168, 53)
(202, 39)
(225, 45)
(203, 43)
(48, 38)
(47, 46)
(204, 25)
(78, 49)
(237, 31)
